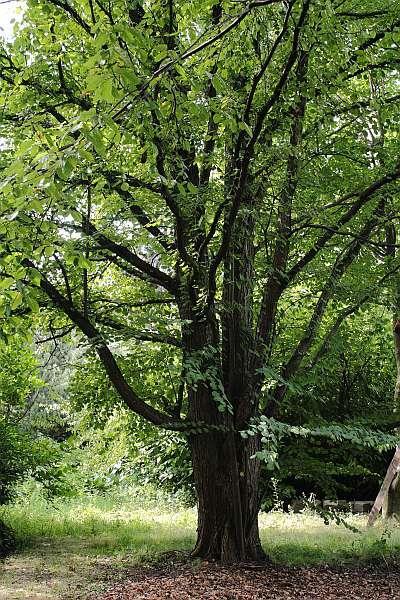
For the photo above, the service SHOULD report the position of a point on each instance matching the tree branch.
(340, 266)
(194, 49)
(144, 336)
(241, 179)
(362, 15)
(126, 392)
(363, 198)
(149, 302)
(274, 286)
(123, 252)
(138, 212)
(75, 16)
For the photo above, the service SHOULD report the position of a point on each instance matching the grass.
(69, 548)
(304, 539)
(107, 525)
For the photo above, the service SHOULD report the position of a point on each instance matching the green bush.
(15, 459)
(22, 455)
(164, 460)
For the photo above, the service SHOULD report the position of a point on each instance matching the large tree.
(215, 158)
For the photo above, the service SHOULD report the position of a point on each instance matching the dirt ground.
(208, 582)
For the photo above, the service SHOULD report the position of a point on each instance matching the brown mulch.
(210, 582)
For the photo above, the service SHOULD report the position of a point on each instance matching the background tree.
(198, 153)
(26, 424)
(391, 505)
(19, 382)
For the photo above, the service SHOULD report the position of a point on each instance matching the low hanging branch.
(144, 336)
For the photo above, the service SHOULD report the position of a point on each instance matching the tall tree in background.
(388, 495)
(391, 502)
(212, 158)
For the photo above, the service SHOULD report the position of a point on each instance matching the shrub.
(15, 459)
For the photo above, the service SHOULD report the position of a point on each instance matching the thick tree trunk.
(225, 475)
(226, 479)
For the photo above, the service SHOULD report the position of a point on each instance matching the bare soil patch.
(210, 582)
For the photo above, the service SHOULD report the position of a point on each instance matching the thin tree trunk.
(381, 499)
(391, 503)
(396, 337)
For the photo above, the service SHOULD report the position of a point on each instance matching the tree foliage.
(18, 382)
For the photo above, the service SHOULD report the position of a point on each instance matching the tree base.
(224, 549)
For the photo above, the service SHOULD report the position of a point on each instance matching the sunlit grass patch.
(102, 525)
(89, 543)
(303, 538)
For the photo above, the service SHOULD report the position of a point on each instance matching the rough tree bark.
(226, 474)
(226, 479)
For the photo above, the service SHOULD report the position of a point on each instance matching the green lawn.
(71, 547)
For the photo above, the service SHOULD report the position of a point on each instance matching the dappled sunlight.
(55, 570)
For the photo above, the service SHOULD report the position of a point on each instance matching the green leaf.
(16, 300)
(6, 282)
